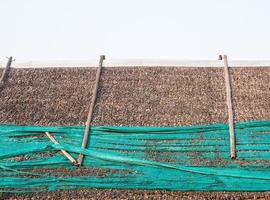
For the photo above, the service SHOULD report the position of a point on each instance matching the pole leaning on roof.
(91, 109)
(230, 107)
(69, 157)
(6, 70)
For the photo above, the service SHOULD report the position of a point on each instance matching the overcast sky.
(154, 29)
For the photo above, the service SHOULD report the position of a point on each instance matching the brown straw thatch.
(148, 96)
(151, 96)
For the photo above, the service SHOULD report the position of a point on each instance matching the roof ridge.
(137, 63)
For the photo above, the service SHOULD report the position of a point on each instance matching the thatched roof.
(149, 96)
(133, 96)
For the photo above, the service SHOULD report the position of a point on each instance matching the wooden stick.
(6, 70)
(230, 107)
(71, 159)
(91, 108)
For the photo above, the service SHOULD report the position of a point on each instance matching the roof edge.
(138, 63)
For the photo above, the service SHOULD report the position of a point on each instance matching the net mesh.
(172, 158)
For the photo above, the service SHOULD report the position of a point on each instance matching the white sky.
(154, 29)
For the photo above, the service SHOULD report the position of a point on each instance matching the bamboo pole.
(230, 106)
(69, 157)
(6, 70)
(91, 109)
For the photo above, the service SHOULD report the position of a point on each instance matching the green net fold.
(173, 158)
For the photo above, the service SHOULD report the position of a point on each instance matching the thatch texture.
(97, 194)
(151, 96)
(134, 96)
(46, 96)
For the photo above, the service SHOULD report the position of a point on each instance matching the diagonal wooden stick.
(69, 157)
(6, 70)
(230, 107)
(91, 109)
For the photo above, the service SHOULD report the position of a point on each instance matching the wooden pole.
(230, 107)
(91, 109)
(6, 70)
(71, 159)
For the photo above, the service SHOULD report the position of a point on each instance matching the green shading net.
(172, 158)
